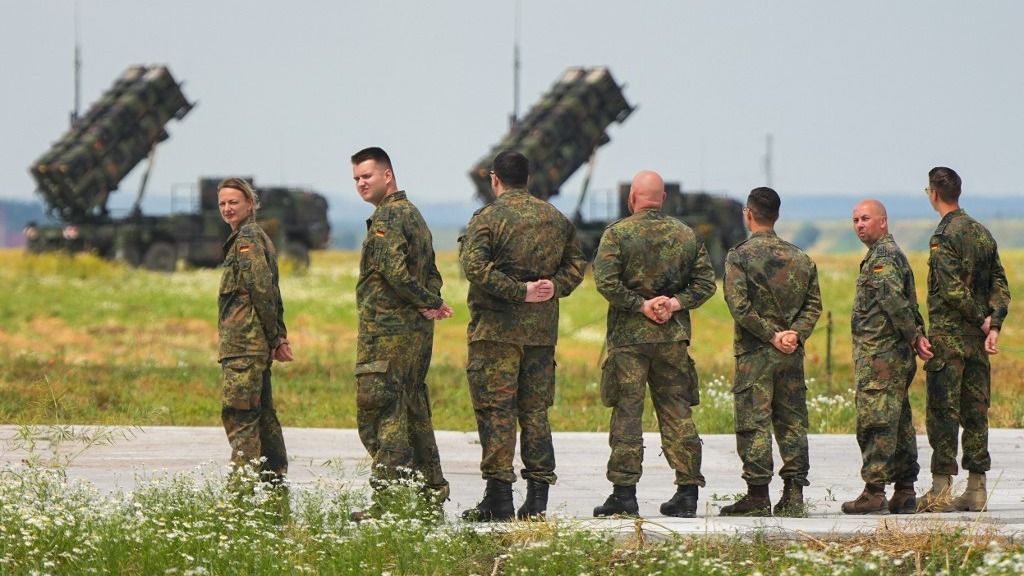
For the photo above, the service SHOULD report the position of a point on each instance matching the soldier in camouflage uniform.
(252, 335)
(887, 330)
(399, 297)
(771, 288)
(968, 299)
(520, 255)
(653, 270)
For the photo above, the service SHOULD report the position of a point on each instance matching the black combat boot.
(904, 500)
(755, 503)
(496, 505)
(792, 502)
(622, 502)
(536, 501)
(683, 503)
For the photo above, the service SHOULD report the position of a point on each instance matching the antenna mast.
(78, 74)
(768, 160)
(514, 118)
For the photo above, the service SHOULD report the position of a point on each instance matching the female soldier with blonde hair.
(252, 334)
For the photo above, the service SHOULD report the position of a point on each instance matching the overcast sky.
(861, 97)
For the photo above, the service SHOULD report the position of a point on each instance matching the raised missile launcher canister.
(78, 173)
(561, 131)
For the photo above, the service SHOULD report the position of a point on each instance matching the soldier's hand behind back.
(540, 291)
(923, 348)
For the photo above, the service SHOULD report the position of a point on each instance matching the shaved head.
(870, 221)
(647, 191)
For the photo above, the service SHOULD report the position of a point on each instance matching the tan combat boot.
(871, 501)
(974, 497)
(938, 499)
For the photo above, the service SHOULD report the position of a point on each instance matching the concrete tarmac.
(581, 457)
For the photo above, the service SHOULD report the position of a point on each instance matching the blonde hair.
(243, 186)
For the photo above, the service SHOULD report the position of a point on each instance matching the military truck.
(563, 131)
(76, 176)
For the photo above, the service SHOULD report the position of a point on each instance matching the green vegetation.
(118, 345)
(192, 524)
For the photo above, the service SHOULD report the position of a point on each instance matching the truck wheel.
(161, 257)
(297, 252)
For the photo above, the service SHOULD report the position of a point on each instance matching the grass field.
(102, 343)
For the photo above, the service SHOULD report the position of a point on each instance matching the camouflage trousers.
(668, 370)
(959, 393)
(393, 407)
(247, 411)
(511, 384)
(769, 392)
(885, 428)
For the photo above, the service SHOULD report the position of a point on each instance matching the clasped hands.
(660, 308)
(440, 313)
(786, 341)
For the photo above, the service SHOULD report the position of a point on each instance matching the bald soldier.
(653, 270)
(887, 330)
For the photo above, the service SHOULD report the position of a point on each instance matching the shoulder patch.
(244, 248)
(878, 268)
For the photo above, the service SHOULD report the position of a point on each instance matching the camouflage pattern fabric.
(251, 314)
(885, 324)
(513, 383)
(511, 362)
(397, 277)
(514, 240)
(645, 255)
(770, 285)
(248, 414)
(397, 272)
(251, 322)
(770, 392)
(885, 427)
(966, 280)
(885, 312)
(393, 406)
(966, 283)
(669, 371)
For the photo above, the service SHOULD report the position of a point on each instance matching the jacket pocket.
(373, 391)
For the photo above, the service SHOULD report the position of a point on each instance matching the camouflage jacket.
(770, 285)
(397, 273)
(645, 255)
(966, 281)
(251, 320)
(513, 240)
(885, 313)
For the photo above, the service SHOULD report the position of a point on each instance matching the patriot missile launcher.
(560, 134)
(78, 173)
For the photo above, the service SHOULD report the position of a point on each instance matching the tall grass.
(126, 346)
